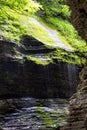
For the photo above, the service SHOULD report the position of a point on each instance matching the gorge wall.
(20, 76)
(77, 119)
(79, 16)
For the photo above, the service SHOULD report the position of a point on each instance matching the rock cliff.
(20, 76)
(77, 119)
(79, 16)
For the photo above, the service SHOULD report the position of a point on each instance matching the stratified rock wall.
(77, 119)
(20, 76)
(79, 16)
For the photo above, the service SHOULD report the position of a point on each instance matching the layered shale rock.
(20, 76)
(77, 119)
(79, 16)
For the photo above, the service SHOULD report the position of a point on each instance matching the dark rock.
(78, 106)
(77, 119)
(1, 129)
(30, 41)
(58, 128)
(41, 13)
(22, 77)
(79, 16)
(31, 45)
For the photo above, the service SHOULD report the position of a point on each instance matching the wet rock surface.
(20, 76)
(77, 119)
(33, 114)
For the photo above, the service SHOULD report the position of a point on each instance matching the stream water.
(33, 114)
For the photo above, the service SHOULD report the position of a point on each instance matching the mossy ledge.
(30, 22)
(17, 71)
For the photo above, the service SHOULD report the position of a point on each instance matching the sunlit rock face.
(79, 16)
(20, 76)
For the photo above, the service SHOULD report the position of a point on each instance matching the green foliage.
(69, 57)
(19, 6)
(52, 119)
(40, 61)
(10, 13)
(56, 8)
(11, 10)
(57, 14)
(15, 21)
(69, 32)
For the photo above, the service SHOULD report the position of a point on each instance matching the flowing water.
(72, 71)
(34, 114)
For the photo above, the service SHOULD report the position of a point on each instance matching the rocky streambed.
(32, 114)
